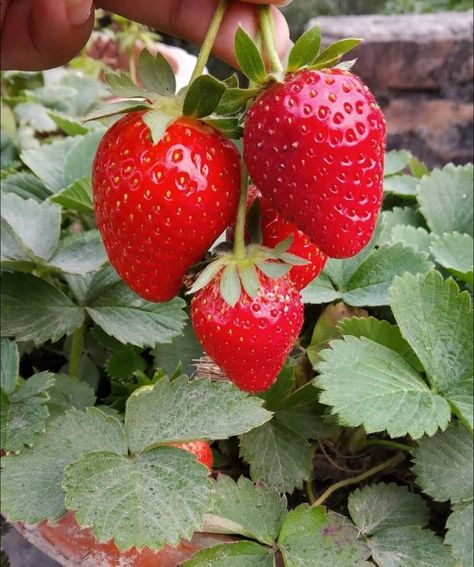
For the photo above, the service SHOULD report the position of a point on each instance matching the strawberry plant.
(296, 388)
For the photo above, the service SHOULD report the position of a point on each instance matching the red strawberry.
(314, 146)
(159, 207)
(250, 341)
(199, 448)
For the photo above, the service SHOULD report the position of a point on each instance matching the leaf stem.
(268, 36)
(386, 443)
(211, 35)
(76, 350)
(308, 485)
(239, 236)
(394, 461)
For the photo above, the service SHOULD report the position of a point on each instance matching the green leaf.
(398, 216)
(417, 238)
(383, 333)
(278, 456)
(445, 199)
(122, 86)
(31, 481)
(409, 547)
(439, 330)
(396, 161)
(25, 185)
(460, 534)
(370, 282)
(369, 384)
(312, 536)
(248, 57)
(156, 498)
(67, 393)
(67, 124)
(332, 54)
(183, 351)
(36, 116)
(130, 319)
(380, 506)
(76, 197)
(320, 290)
(253, 511)
(157, 121)
(305, 50)
(229, 127)
(31, 230)
(237, 554)
(34, 310)
(124, 362)
(78, 163)
(230, 285)
(156, 74)
(443, 465)
(186, 410)
(404, 185)
(112, 109)
(24, 414)
(80, 253)
(234, 99)
(249, 278)
(10, 365)
(203, 96)
(455, 252)
(47, 162)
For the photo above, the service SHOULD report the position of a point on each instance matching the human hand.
(39, 34)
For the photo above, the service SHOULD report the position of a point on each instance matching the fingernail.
(78, 11)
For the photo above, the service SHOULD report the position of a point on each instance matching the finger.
(189, 20)
(39, 34)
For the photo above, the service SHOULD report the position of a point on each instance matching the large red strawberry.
(160, 206)
(199, 448)
(314, 146)
(251, 340)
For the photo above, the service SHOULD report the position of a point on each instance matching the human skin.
(40, 34)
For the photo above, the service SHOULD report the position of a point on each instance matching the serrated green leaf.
(380, 506)
(25, 185)
(454, 252)
(398, 216)
(31, 481)
(112, 109)
(234, 99)
(278, 456)
(404, 185)
(249, 278)
(36, 116)
(77, 196)
(253, 511)
(157, 121)
(305, 50)
(396, 161)
(417, 168)
(80, 253)
(31, 230)
(369, 384)
(207, 275)
(125, 362)
(34, 310)
(203, 96)
(274, 269)
(446, 199)
(122, 86)
(67, 124)
(186, 410)
(183, 351)
(320, 290)
(248, 57)
(280, 389)
(312, 536)
(10, 365)
(409, 547)
(78, 163)
(417, 238)
(460, 534)
(156, 74)
(130, 319)
(370, 282)
(229, 127)
(333, 53)
(67, 393)
(443, 465)
(439, 330)
(163, 492)
(237, 554)
(230, 287)
(383, 333)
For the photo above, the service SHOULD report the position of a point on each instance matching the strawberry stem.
(209, 40)
(268, 35)
(239, 236)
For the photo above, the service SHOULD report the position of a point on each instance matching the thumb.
(39, 34)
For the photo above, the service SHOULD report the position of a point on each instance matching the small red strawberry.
(314, 146)
(199, 448)
(251, 340)
(160, 206)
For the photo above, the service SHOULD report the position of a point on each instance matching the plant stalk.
(239, 236)
(386, 443)
(76, 350)
(393, 462)
(209, 40)
(267, 29)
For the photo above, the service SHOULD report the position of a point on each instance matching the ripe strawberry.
(199, 448)
(159, 207)
(251, 340)
(314, 146)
